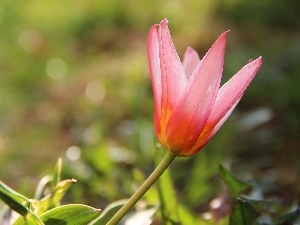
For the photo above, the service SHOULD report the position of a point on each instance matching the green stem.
(163, 165)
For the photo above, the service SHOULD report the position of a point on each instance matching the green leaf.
(57, 173)
(168, 200)
(289, 218)
(18, 203)
(30, 219)
(190, 218)
(243, 213)
(52, 200)
(73, 214)
(235, 185)
(14, 200)
(42, 185)
(109, 212)
(49, 180)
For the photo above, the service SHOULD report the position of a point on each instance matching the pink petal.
(154, 65)
(173, 75)
(208, 131)
(193, 110)
(233, 90)
(228, 97)
(223, 119)
(190, 61)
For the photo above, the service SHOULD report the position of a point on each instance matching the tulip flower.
(189, 104)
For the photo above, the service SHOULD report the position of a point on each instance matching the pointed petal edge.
(155, 72)
(191, 113)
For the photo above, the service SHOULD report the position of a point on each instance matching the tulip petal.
(173, 78)
(190, 61)
(228, 97)
(191, 113)
(173, 75)
(223, 119)
(233, 90)
(154, 65)
(208, 131)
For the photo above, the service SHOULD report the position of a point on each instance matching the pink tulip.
(189, 104)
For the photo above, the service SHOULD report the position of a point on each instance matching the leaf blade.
(109, 212)
(243, 213)
(234, 185)
(19, 203)
(70, 215)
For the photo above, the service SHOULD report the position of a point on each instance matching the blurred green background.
(74, 83)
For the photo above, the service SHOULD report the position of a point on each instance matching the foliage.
(74, 83)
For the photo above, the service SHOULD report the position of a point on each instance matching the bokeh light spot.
(56, 68)
(73, 153)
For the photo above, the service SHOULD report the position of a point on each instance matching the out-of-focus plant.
(45, 208)
(189, 108)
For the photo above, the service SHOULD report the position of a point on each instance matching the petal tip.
(222, 39)
(225, 33)
(259, 60)
(189, 50)
(164, 22)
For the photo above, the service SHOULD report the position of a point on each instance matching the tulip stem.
(159, 170)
